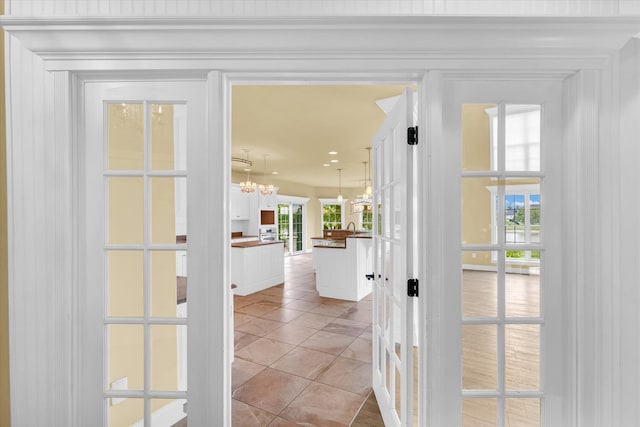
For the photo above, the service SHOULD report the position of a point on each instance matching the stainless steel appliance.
(268, 234)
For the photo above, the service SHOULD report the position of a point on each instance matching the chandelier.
(248, 186)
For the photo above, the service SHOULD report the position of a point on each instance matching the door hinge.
(412, 287)
(412, 135)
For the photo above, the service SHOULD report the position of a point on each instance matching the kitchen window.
(332, 214)
(365, 217)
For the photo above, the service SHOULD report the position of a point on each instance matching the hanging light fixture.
(368, 190)
(248, 186)
(340, 185)
(265, 189)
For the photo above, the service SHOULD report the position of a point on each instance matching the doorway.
(291, 221)
(287, 308)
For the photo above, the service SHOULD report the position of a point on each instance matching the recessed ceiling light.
(326, 164)
(334, 160)
(333, 153)
(247, 169)
(275, 173)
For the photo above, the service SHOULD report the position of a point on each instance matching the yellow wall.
(476, 199)
(126, 267)
(5, 419)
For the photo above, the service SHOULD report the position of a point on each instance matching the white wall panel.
(321, 7)
(39, 220)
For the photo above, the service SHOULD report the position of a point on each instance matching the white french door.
(393, 312)
(503, 346)
(144, 152)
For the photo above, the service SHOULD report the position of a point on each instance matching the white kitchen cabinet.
(240, 204)
(269, 202)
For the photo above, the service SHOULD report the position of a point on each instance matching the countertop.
(254, 243)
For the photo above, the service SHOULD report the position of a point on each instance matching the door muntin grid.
(145, 249)
(492, 388)
(393, 315)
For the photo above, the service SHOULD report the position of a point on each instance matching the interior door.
(393, 324)
(500, 315)
(143, 148)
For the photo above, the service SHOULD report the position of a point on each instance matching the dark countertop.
(254, 243)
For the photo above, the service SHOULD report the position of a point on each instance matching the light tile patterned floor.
(300, 359)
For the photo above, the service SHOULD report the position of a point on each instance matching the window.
(365, 217)
(522, 137)
(521, 220)
(332, 214)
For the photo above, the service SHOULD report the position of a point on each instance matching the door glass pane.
(125, 283)
(168, 209)
(168, 362)
(126, 356)
(523, 412)
(125, 412)
(479, 357)
(478, 211)
(296, 224)
(479, 286)
(398, 393)
(168, 137)
(125, 210)
(522, 137)
(283, 225)
(169, 412)
(476, 136)
(125, 136)
(168, 284)
(522, 295)
(522, 357)
(479, 412)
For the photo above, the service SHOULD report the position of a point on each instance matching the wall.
(324, 7)
(5, 415)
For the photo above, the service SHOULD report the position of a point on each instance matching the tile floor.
(300, 359)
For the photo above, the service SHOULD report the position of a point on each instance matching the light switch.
(119, 384)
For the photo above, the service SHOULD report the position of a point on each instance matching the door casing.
(83, 50)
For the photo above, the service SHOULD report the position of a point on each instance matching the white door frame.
(51, 56)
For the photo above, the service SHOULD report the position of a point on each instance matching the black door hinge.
(412, 135)
(412, 287)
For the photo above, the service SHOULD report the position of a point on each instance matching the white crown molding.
(425, 36)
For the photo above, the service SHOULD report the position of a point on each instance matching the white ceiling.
(297, 125)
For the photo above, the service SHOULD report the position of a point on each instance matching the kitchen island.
(256, 265)
(341, 266)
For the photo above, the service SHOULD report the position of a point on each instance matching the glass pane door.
(502, 269)
(394, 347)
(290, 227)
(145, 256)
(138, 194)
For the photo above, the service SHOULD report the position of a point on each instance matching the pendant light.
(265, 189)
(248, 186)
(340, 185)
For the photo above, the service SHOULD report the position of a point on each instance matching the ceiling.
(298, 125)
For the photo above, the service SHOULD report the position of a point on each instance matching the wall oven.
(268, 234)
